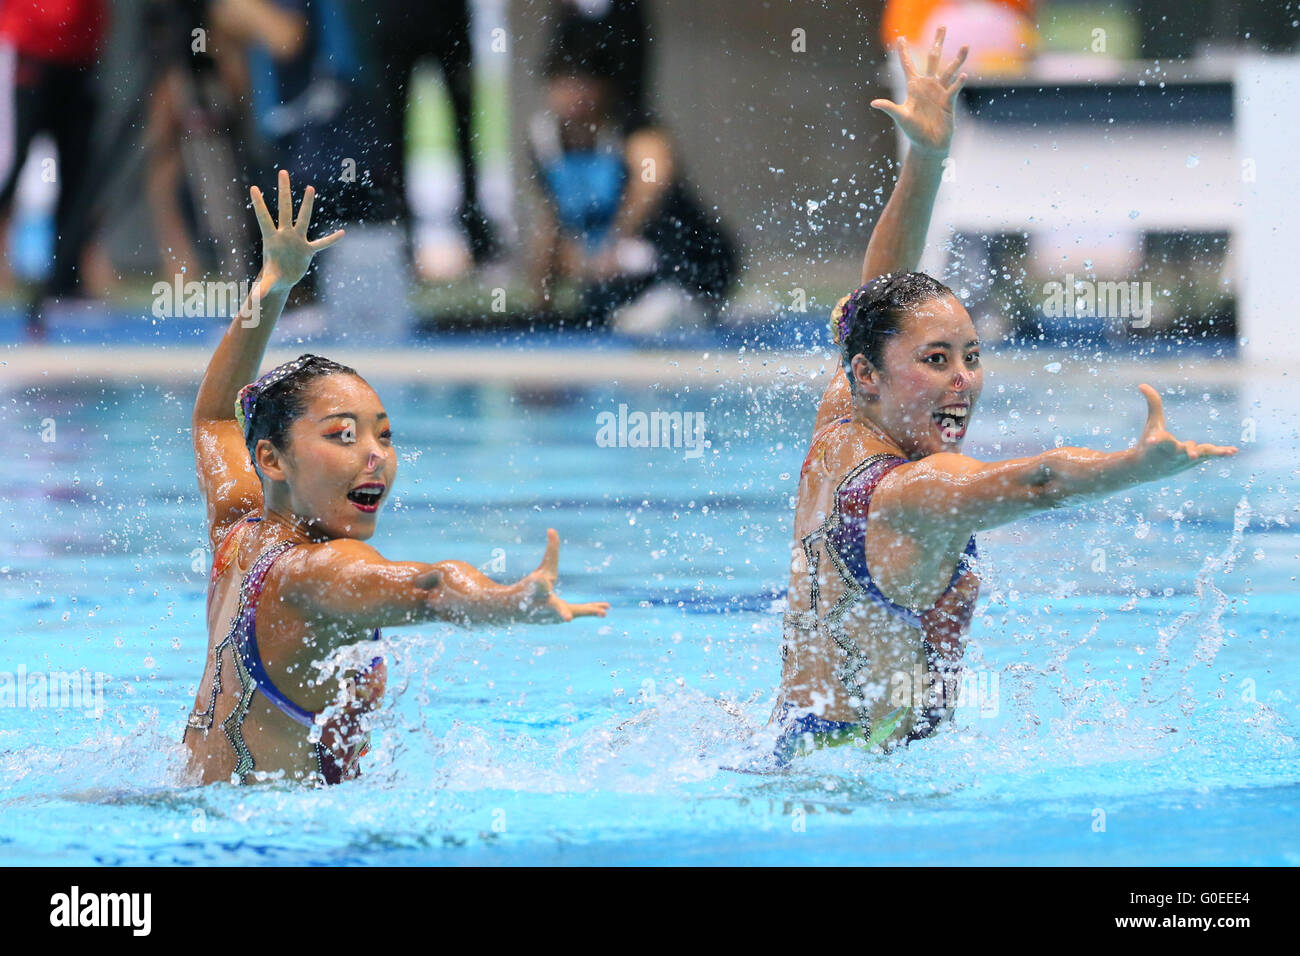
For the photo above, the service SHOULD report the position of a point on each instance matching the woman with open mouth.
(294, 469)
(882, 582)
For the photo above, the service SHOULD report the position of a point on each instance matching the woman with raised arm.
(882, 581)
(294, 469)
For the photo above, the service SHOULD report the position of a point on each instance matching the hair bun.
(839, 322)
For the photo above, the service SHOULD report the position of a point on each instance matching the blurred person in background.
(618, 218)
(315, 110)
(620, 31)
(308, 98)
(401, 35)
(193, 132)
(48, 53)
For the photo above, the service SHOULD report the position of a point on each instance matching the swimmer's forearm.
(944, 492)
(1058, 478)
(465, 595)
(898, 240)
(349, 584)
(239, 355)
(1069, 475)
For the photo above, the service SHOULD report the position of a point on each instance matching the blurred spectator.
(402, 34)
(48, 52)
(619, 218)
(310, 103)
(195, 177)
(618, 33)
(317, 116)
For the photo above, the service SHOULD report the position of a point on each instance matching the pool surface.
(1136, 657)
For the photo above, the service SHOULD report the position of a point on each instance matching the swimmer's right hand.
(539, 602)
(286, 250)
(1159, 454)
(926, 116)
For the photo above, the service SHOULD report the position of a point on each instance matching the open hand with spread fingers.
(926, 115)
(1160, 454)
(286, 250)
(540, 603)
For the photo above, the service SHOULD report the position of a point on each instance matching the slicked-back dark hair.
(283, 400)
(863, 320)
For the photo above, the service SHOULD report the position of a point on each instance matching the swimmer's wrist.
(924, 152)
(1126, 465)
(273, 280)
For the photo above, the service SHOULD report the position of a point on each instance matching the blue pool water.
(1137, 656)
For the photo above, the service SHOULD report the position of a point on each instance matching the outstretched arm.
(948, 496)
(226, 477)
(898, 239)
(348, 583)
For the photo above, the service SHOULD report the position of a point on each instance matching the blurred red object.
(59, 31)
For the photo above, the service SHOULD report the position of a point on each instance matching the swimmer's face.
(340, 464)
(926, 393)
(576, 99)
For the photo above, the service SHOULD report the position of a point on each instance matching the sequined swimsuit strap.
(241, 625)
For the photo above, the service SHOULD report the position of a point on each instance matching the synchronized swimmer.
(295, 467)
(883, 580)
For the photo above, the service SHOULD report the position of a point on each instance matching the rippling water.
(1137, 656)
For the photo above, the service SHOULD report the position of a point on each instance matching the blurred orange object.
(1001, 34)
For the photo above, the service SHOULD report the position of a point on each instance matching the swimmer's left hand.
(540, 603)
(1159, 454)
(926, 116)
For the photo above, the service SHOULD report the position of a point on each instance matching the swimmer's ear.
(269, 460)
(866, 380)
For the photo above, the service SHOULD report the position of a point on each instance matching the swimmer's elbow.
(1044, 487)
(1006, 491)
(429, 579)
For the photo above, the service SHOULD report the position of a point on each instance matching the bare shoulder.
(925, 495)
(309, 570)
(943, 466)
(337, 554)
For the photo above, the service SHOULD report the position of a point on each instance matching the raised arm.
(347, 583)
(948, 496)
(898, 239)
(926, 119)
(229, 484)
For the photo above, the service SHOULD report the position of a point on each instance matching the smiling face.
(340, 462)
(926, 392)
